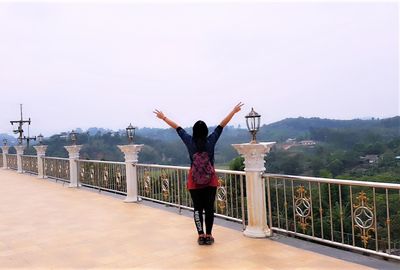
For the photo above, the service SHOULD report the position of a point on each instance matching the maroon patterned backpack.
(202, 170)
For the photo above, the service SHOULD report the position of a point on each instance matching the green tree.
(237, 164)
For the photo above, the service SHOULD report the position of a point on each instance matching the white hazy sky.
(108, 64)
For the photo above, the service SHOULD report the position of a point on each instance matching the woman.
(202, 179)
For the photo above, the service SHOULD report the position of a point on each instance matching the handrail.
(163, 166)
(58, 158)
(187, 168)
(335, 181)
(101, 161)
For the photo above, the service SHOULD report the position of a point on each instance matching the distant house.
(289, 143)
(371, 159)
(307, 142)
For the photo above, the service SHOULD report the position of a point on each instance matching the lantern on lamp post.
(4, 142)
(40, 138)
(253, 124)
(19, 141)
(130, 133)
(73, 137)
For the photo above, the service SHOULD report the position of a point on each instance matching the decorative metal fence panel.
(103, 175)
(167, 185)
(1, 160)
(359, 215)
(57, 168)
(30, 164)
(12, 161)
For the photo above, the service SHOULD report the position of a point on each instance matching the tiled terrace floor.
(44, 225)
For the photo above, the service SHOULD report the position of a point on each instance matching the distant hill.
(289, 128)
(10, 139)
(164, 146)
(303, 127)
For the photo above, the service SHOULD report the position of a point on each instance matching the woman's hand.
(238, 107)
(159, 114)
(228, 118)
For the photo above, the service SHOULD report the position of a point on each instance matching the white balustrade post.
(73, 152)
(41, 153)
(5, 148)
(131, 152)
(254, 154)
(20, 152)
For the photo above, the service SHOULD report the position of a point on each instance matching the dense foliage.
(340, 144)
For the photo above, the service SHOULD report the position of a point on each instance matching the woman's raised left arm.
(162, 116)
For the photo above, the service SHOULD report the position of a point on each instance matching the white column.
(73, 151)
(131, 152)
(254, 154)
(41, 152)
(5, 151)
(20, 152)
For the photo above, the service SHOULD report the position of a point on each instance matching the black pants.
(203, 199)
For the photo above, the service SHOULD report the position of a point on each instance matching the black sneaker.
(209, 240)
(201, 240)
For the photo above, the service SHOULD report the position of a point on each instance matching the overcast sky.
(105, 65)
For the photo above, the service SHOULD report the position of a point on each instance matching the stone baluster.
(73, 152)
(20, 152)
(41, 153)
(254, 154)
(131, 152)
(5, 149)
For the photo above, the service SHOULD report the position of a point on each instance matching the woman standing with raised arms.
(202, 179)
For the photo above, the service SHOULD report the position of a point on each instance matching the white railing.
(56, 168)
(102, 175)
(167, 185)
(12, 161)
(29, 164)
(363, 216)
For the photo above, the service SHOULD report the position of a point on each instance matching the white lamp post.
(5, 149)
(73, 153)
(40, 139)
(130, 133)
(131, 152)
(40, 153)
(253, 124)
(254, 154)
(73, 137)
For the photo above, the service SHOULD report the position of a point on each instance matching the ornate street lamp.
(253, 124)
(73, 137)
(40, 138)
(4, 141)
(130, 133)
